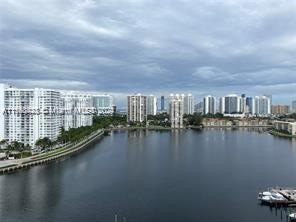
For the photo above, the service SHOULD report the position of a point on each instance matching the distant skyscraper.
(162, 103)
(209, 103)
(151, 105)
(222, 105)
(199, 107)
(176, 109)
(103, 104)
(243, 104)
(136, 108)
(262, 105)
(294, 106)
(249, 105)
(188, 103)
(231, 104)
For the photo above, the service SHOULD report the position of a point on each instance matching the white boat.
(292, 217)
(270, 197)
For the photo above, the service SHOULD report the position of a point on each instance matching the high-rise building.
(262, 105)
(249, 105)
(30, 114)
(162, 104)
(103, 104)
(136, 108)
(209, 103)
(293, 106)
(279, 109)
(151, 105)
(231, 104)
(199, 107)
(176, 110)
(78, 108)
(243, 104)
(188, 101)
(222, 105)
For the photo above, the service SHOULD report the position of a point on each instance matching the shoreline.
(80, 146)
(46, 158)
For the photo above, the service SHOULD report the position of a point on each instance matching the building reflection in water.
(35, 192)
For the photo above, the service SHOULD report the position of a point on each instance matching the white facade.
(176, 110)
(151, 105)
(261, 105)
(30, 114)
(78, 109)
(188, 103)
(209, 105)
(103, 104)
(136, 108)
(287, 126)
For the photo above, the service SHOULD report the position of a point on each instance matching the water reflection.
(35, 192)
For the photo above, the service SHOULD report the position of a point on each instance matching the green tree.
(44, 143)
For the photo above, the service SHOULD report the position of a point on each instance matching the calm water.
(207, 176)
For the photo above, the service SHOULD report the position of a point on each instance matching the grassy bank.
(274, 132)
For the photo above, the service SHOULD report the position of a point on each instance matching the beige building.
(280, 109)
(287, 126)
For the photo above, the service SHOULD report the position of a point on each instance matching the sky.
(122, 47)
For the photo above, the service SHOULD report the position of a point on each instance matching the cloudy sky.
(151, 46)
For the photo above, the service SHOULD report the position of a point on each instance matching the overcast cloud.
(151, 46)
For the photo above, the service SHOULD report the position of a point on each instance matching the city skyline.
(186, 46)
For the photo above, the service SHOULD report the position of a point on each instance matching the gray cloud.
(204, 46)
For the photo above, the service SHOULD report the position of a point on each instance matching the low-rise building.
(289, 127)
(213, 122)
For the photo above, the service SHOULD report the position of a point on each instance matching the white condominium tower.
(151, 105)
(261, 105)
(188, 103)
(103, 104)
(176, 110)
(209, 103)
(29, 114)
(78, 109)
(136, 108)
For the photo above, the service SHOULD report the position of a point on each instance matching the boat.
(292, 217)
(271, 197)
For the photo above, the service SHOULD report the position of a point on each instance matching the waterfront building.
(294, 106)
(78, 109)
(289, 127)
(162, 104)
(136, 108)
(29, 114)
(209, 103)
(188, 101)
(151, 105)
(103, 104)
(261, 105)
(231, 104)
(176, 110)
(279, 109)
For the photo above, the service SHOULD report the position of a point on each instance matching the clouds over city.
(199, 46)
